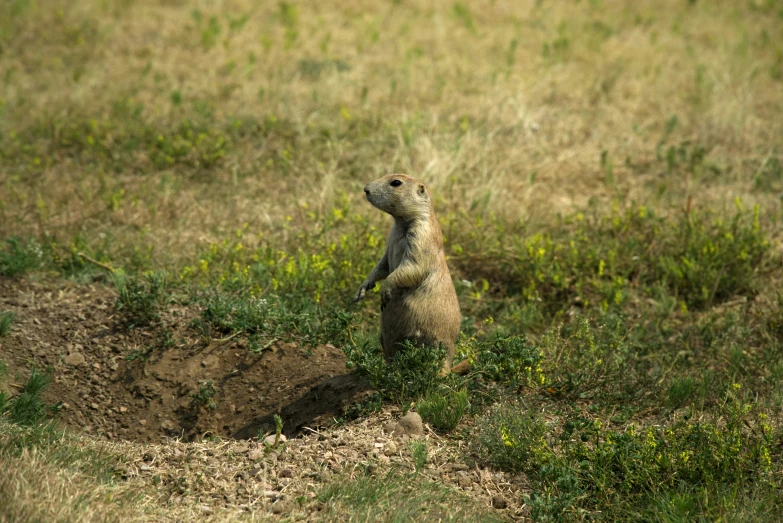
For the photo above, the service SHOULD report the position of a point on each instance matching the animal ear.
(422, 190)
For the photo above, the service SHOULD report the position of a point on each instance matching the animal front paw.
(363, 288)
(386, 295)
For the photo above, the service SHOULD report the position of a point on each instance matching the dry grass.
(89, 479)
(508, 107)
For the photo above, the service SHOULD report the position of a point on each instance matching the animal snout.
(367, 190)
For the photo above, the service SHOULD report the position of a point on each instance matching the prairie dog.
(418, 301)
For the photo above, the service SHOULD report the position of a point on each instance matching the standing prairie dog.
(418, 301)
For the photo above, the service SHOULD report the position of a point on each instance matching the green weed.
(204, 396)
(272, 318)
(413, 372)
(513, 438)
(6, 321)
(581, 465)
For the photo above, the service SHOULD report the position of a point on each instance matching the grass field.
(608, 176)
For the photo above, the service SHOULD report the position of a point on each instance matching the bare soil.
(129, 384)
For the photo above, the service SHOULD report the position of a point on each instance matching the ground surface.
(123, 400)
(110, 385)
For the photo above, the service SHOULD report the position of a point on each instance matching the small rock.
(142, 422)
(123, 410)
(286, 473)
(94, 406)
(270, 440)
(410, 424)
(383, 460)
(391, 449)
(499, 502)
(464, 481)
(389, 427)
(74, 359)
(280, 507)
(255, 454)
(272, 494)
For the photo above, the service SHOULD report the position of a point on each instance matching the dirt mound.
(146, 385)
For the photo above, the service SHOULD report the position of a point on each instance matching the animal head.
(400, 195)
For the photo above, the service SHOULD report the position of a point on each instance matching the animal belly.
(409, 316)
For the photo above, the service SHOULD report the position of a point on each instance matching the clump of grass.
(418, 450)
(680, 391)
(6, 320)
(19, 257)
(443, 410)
(139, 298)
(26, 408)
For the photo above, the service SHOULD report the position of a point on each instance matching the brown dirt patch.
(127, 384)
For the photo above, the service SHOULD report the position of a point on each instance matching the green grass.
(397, 496)
(139, 298)
(443, 410)
(6, 321)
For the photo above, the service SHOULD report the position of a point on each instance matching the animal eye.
(396, 183)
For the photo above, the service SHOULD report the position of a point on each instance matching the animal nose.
(366, 190)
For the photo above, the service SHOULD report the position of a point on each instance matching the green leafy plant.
(513, 438)
(413, 371)
(204, 396)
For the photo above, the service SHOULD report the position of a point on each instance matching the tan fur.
(418, 301)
